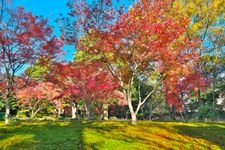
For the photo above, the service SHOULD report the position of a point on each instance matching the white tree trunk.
(7, 110)
(134, 119)
(74, 111)
(7, 105)
(105, 108)
(87, 111)
(132, 113)
(59, 112)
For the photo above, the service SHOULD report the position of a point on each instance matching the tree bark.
(133, 118)
(185, 113)
(150, 111)
(7, 103)
(182, 117)
(172, 112)
(32, 114)
(184, 108)
(87, 111)
(214, 87)
(74, 110)
(7, 110)
(132, 113)
(59, 112)
(105, 108)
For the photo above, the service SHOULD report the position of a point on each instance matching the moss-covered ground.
(115, 135)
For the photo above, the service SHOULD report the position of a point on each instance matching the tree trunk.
(182, 117)
(7, 110)
(199, 97)
(133, 119)
(185, 113)
(7, 104)
(199, 67)
(59, 112)
(74, 110)
(172, 112)
(214, 86)
(87, 111)
(132, 113)
(105, 108)
(32, 113)
(35, 111)
(150, 111)
(9, 86)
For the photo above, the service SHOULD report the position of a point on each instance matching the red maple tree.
(32, 97)
(176, 89)
(23, 39)
(88, 82)
(144, 39)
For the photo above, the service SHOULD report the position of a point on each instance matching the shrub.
(206, 112)
(2, 116)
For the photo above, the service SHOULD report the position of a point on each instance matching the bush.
(206, 112)
(24, 113)
(2, 116)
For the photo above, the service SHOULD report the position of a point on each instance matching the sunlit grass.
(112, 135)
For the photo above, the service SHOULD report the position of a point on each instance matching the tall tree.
(207, 17)
(33, 96)
(89, 82)
(179, 89)
(23, 39)
(144, 39)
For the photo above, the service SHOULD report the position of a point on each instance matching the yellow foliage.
(203, 13)
(191, 8)
(196, 26)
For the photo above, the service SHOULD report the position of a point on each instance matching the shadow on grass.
(120, 135)
(214, 133)
(153, 135)
(111, 135)
(42, 135)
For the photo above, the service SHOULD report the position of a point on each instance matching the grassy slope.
(112, 135)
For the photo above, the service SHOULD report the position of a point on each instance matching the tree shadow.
(212, 133)
(154, 135)
(42, 135)
(123, 135)
(110, 135)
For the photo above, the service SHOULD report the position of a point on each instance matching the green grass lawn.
(114, 135)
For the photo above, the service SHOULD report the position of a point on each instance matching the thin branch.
(149, 94)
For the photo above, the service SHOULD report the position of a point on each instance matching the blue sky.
(51, 10)
(47, 8)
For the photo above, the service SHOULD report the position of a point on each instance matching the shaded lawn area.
(111, 135)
